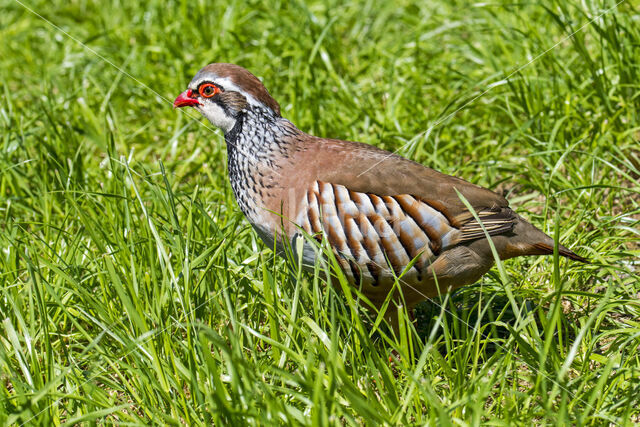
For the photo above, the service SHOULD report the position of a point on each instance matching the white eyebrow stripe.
(227, 84)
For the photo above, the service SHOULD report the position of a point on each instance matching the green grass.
(133, 291)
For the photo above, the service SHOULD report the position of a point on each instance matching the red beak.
(185, 99)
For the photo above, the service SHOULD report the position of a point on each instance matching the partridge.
(384, 216)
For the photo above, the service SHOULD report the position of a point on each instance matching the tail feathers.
(532, 241)
(513, 235)
(547, 249)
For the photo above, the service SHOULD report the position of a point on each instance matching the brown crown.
(244, 80)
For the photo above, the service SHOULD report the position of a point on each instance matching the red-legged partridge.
(378, 211)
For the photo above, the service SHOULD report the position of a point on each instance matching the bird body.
(379, 211)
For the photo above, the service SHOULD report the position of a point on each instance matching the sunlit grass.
(133, 291)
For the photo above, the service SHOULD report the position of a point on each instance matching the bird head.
(222, 92)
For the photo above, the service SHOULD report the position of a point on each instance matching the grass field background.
(133, 291)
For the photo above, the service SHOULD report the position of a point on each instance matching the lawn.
(133, 291)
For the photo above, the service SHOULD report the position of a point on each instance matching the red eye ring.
(207, 90)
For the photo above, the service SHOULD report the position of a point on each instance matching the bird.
(388, 220)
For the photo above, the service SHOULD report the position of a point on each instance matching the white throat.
(217, 116)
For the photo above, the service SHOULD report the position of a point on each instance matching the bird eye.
(208, 90)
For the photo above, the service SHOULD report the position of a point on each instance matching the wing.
(367, 169)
